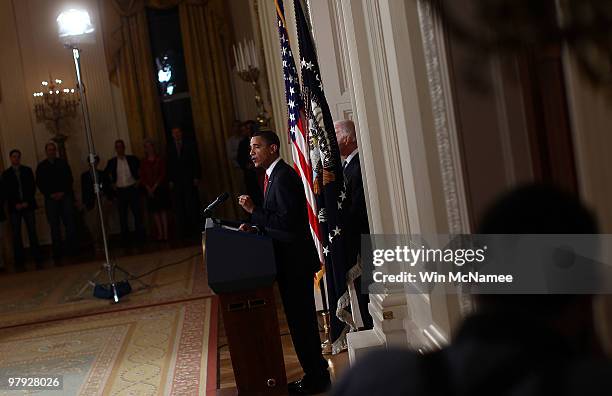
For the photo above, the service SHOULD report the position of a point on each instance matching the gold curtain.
(205, 37)
(130, 62)
(205, 40)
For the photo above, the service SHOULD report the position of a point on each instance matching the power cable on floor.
(166, 265)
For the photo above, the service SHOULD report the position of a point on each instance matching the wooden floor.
(337, 363)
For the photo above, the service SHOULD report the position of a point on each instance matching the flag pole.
(326, 345)
(299, 140)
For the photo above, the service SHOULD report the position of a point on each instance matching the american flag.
(297, 131)
(328, 179)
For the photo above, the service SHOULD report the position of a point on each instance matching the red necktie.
(266, 179)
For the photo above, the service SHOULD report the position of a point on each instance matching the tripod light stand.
(75, 28)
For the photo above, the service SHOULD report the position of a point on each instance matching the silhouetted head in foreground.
(540, 209)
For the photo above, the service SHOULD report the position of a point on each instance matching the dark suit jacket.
(11, 185)
(355, 211)
(111, 168)
(183, 167)
(2, 200)
(285, 215)
(88, 195)
(243, 156)
(53, 177)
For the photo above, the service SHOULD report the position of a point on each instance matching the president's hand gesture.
(247, 228)
(247, 203)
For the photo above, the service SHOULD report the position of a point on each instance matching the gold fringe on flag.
(328, 177)
(317, 278)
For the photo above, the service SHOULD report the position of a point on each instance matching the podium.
(241, 271)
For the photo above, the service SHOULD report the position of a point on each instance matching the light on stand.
(74, 23)
(75, 28)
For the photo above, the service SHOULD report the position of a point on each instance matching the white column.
(410, 161)
(274, 70)
(332, 53)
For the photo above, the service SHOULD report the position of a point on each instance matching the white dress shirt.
(124, 175)
(350, 157)
(271, 167)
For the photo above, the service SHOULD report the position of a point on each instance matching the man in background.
(232, 143)
(184, 174)
(122, 172)
(2, 220)
(20, 189)
(355, 214)
(249, 172)
(88, 197)
(54, 179)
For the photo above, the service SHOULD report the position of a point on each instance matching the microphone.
(218, 201)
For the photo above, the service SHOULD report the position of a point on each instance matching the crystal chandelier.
(53, 105)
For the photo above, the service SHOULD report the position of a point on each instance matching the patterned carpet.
(33, 297)
(161, 350)
(159, 341)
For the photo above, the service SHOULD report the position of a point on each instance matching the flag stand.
(326, 345)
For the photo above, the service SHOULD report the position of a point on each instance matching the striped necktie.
(266, 180)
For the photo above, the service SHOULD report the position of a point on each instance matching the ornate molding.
(445, 126)
(441, 102)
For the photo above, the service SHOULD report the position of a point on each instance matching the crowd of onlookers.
(168, 183)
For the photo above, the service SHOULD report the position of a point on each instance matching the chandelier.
(54, 105)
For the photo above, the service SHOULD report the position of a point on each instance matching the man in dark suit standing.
(184, 175)
(243, 157)
(54, 179)
(2, 220)
(122, 172)
(88, 198)
(20, 188)
(355, 211)
(284, 214)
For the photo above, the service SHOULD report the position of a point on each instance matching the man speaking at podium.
(284, 213)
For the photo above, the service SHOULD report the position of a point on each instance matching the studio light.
(74, 23)
(75, 28)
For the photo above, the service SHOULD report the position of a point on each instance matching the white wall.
(32, 53)
(274, 70)
(245, 26)
(332, 53)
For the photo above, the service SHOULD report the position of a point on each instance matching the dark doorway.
(170, 71)
(548, 119)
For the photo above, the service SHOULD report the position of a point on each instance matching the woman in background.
(154, 181)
